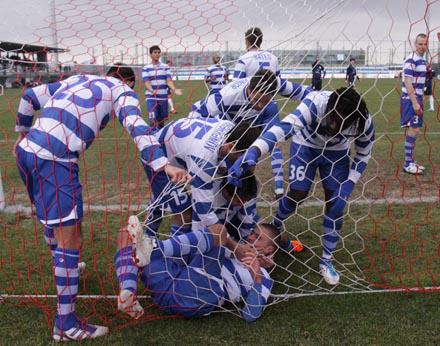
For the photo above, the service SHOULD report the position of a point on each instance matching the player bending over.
(322, 129)
(73, 112)
(205, 276)
(199, 146)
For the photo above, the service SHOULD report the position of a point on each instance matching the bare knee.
(69, 237)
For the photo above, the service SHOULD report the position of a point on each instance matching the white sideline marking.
(294, 295)
(20, 208)
(394, 133)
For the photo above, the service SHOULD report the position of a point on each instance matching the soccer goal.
(383, 238)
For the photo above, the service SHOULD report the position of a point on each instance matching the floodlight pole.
(54, 30)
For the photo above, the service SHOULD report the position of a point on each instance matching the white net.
(388, 238)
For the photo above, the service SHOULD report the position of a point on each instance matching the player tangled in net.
(200, 169)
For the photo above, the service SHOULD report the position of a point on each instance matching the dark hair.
(254, 36)
(247, 190)
(352, 59)
(153, 48)
(264, 81)
(122, 72)
(244, 134)
(275, 234)
(347, 108)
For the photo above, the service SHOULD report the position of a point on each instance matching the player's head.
(253, 38)
(262, 88)
(239, 139)
(421, 43)
(352, 61)
(238, 196)
(265, 238)
(345, 108)
(216, 58)
(123, 73)
(155, 53)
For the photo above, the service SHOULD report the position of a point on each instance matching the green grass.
(384, 245)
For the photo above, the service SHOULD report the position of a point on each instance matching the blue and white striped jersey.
(74, 110)
(240, 286)
(193, 144)
(157, 75)
(217, 75)
(307, 126)
(231, 103)
(414, 66)
(249, 63)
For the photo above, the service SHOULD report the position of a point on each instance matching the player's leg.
(412, 124)
(334, 167)
(58, 204)
(162, 113)
(277, 170)
(302, 170)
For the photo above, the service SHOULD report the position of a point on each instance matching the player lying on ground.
(323, 127)
(192, 274)
(199, 146)
(73, 112)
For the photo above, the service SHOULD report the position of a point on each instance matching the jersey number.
(297, 173)
(185, 128)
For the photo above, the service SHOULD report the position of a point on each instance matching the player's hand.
(178, 92)
(242, 165)
(241, 251)
(266, 262)
(213, 78)
(21, 135)
(177, 175)
(252, 263)
(417, 108)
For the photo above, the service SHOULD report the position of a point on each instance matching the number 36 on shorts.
(297, 173)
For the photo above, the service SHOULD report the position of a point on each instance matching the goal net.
(389, 238)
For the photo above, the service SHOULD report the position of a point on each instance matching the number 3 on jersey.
(297, 173)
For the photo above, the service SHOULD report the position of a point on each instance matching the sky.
(111, 27)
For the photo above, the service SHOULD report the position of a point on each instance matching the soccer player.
(157, 79)
(73, 112)
(321, 127)
(351, 76)
(411, 101)
(205, 276)
(430, 73)
(247, 66)
(217, 75)
(200, 146)
(318, 73)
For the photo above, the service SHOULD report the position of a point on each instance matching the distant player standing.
(217, 75)
(73, 112)
(430, 73)
(411, 101)
(157, 79)
(247, 65)
(351, 76)
(318, 73)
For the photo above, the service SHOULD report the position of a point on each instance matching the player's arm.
(363, 147)
(147, 81)
(127, 109)
(171, 85)
(408, 73)
(31, 101)
(294, 91)
(239, 70)
(207, 77)
(256, 299)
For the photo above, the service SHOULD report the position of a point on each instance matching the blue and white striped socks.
(277, 170)
(332, 226)
(66, 280)
(126, 269)
(410, 144)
